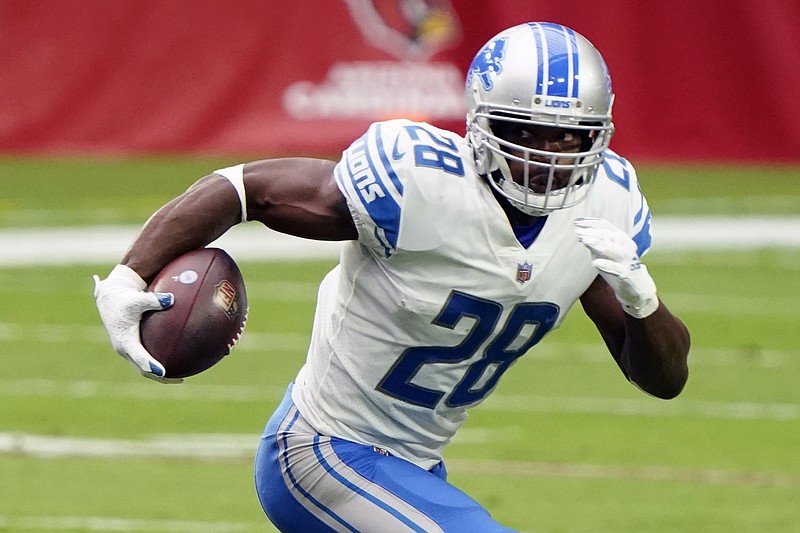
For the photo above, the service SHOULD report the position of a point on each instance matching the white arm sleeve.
(235, 175)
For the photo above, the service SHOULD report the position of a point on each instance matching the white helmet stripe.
(541, 53)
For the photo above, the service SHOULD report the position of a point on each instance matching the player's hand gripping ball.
(207, 318)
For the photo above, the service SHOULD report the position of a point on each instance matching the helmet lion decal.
(488, 62)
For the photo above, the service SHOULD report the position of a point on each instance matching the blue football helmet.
(538, 75)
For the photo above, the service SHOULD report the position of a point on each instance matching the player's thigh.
(429, 494)
(310, 483)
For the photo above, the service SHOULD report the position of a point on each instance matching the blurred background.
(109, 109)
(698, 81)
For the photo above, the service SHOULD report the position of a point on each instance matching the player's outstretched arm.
(649, 343)
(300, 197)
(295, 196)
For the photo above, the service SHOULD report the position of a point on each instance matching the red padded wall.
(715, 80)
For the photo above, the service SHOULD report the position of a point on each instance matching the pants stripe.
(310, 482)
(358, 499)
(320, 507)
(363, 493)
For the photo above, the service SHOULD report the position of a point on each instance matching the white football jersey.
(438, 298)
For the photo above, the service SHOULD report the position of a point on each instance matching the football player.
(461, 254)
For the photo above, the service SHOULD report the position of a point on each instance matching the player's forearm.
(192, 220)
(655, 353)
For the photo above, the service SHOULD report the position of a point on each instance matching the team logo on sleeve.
(524, 271)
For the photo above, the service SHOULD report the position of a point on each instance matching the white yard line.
(242, 447)
(92, 245)
(207, 447)
(106, 524)
(104, 244)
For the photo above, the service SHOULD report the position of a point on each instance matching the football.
(207, 317)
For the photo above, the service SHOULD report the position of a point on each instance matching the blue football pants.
(309, 483)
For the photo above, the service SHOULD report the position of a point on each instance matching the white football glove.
(615, 255)
(121, 300)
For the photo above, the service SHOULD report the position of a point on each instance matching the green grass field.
(564, 445)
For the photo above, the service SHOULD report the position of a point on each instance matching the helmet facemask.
(549, 178)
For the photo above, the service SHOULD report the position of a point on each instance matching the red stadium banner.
(702, 81)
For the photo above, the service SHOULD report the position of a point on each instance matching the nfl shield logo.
(524, 271)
